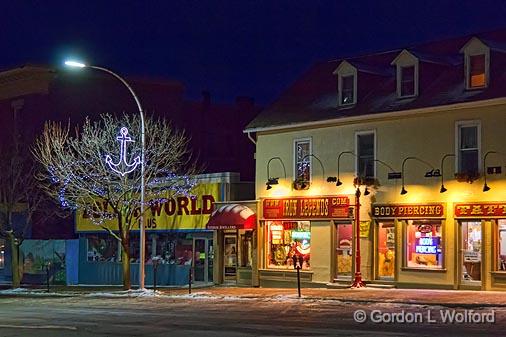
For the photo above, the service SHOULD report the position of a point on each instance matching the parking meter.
(156, 261)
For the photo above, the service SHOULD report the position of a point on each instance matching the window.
(407, 81)
(386, 250)
(246, 257)
(476, 71)
(501, 243)
(424, 244)
(347, 84)
(302, 159)
(103, 248)
(2, 253)
(468, 152)
(286, 240)
(365, 154)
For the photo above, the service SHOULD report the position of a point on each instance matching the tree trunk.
(16, 277)
(125, 262)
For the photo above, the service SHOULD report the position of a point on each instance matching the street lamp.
(76, 64)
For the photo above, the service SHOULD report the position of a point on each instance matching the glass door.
(230, 257)
(386, 251)
(471, 247)
(200, 260)
(344, 252)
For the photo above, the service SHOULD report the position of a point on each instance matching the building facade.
(407, 145)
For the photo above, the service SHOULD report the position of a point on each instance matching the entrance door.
(471, 252)
(344, 252)
(386, 251)
(230, 257)
(201, 260)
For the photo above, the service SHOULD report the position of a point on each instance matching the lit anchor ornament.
(123, 139)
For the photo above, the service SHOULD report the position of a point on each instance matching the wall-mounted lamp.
(443, 188)
(301, 184)
(336, 179)
(428, 174)
(270, 180)
(485, 186)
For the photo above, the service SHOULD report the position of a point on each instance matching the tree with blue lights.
(95, 170)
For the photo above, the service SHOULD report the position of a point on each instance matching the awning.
(232, 216)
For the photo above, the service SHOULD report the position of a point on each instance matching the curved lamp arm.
(443, 188)
(403, 190)
(485, 186)
(339, 160)
(312, 155)
(282, 164)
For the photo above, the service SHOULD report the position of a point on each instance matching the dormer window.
(407, 74)
(346, 84)
(476, 71)
(476, 64)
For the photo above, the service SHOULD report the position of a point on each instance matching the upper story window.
(365, 150)
(476, 64)
(346, 84)
(406, 74)
(468, 147)
(302, 167)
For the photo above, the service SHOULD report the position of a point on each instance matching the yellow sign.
(364, 229)
(176, 213)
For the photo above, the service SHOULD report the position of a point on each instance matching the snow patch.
(127, 293)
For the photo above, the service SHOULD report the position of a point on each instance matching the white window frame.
(472, 48)
(458, 126)
(361, 133)
(345, 69)
(295, 141)
(403, 60)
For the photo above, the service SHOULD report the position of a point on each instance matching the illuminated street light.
(75, 64)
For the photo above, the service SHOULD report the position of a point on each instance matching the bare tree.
(87, 172)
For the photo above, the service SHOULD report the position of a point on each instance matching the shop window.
(468, 154)
(2, 253)
(386, 250)
(246, 256)
(501, 242)
(471, 250)
(365, 154)
(302, 159)
(424, 245)
(102, 249)
(175, 248)
(287, 239)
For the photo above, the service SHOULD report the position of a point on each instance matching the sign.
(364, 229)
(408, 211)
(177, 213)
(307, 208)
(480, 210)
(427, 245)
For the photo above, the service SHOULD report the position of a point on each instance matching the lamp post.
(141, 225)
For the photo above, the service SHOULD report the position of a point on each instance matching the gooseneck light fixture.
(270, 180)
(305, 184)
(486, 188)
(443, 188)
(432, 173)
(336, 179)
(75, 64)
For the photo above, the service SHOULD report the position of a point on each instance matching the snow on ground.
(33, 292)
(127, 293)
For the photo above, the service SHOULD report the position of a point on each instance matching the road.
(168, 316)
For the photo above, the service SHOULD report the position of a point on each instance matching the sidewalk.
(448, 298)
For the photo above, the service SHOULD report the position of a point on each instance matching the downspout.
(251, 138)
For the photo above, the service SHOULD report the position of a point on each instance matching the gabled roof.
(313, 97)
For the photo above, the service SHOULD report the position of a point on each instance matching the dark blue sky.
(231, 48)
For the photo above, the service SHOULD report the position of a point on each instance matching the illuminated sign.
(122, 167)
(427, 245)
(490, 209)
(307, 208)
(301, 235)
(408, 211)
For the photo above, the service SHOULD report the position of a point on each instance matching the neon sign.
(122, 163)
(427, 245)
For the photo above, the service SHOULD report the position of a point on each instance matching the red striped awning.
(232, 216)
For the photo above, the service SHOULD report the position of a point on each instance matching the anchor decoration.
(122, 163)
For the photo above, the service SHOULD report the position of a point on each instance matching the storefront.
(482, 243)
(235, 225)
(314, 232)
(410, 245)
(176, 235)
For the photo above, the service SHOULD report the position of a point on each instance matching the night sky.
(254, 48)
